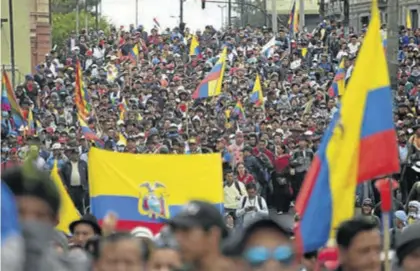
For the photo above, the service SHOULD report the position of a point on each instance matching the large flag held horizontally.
(337, 86)
(130, 185)
(195, 46)
(257, 97)
(82, 96)
(267, 50)
(212, 83)
(68, 212)
(9, 102)
(89, 134)
(359, 133)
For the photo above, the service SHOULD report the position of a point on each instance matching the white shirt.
(75, 176)
(258, 213)
(353, 47)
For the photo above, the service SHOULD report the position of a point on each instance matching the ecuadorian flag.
(257, 97)
(212, 83)
(195, 46)
(89, 134)
(359, 133)
(140, 194)
(337, 87)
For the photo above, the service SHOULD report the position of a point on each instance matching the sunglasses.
(257, 256)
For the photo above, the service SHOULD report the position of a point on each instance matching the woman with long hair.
(243, 175)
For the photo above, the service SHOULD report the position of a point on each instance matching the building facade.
(32, 35)
(359, 11)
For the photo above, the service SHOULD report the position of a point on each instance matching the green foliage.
(64, 23)
(67, 6)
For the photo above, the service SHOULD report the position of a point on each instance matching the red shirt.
(269, 154)
(246, 178)
(281, 162)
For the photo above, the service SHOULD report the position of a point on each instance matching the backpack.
(259, 202)
(237, 187)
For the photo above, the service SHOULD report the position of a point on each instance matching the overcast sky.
(122, 12)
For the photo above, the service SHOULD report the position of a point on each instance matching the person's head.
(309, 260)
(165, 255)
(120, 251)
(229, 176)
(74, 155)
(303, 143)
(239, 138)
(265, 244)
(367, 206)
(251, 189)
(400, 219)
(198, 229)
(408, 248)
(240, 168)
(84, 229)
(359, 245)
(36, 195)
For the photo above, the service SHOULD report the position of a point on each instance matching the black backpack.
(259, 202)
(237, 187)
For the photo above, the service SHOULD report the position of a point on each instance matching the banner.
(146, 190)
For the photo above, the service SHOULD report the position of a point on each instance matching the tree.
(64, 24)
(67, 6)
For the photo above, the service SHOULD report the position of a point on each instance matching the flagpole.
(12, 44)
(137, 13)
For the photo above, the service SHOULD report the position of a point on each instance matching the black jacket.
(66, 174)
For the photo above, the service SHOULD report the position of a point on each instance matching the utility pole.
(230, 12)
(222, 9)
(86, 18)
(242, 13)
(77, 18)
(137, 13)
(392, 41)
(97, 16)
(265, 10)
(274, 16)
(181, 12)
(301, 14)
(12, 44)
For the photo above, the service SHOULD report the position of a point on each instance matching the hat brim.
(183, 222)
(96, 228)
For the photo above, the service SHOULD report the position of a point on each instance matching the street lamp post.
(222, 8)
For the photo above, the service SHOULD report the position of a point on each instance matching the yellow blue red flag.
(195, 46)
(293, 19)
(337, 86)
(360, 132)
(212, 83)
(146, 190)
(257, 97)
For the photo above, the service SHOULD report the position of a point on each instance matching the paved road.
(286, 219)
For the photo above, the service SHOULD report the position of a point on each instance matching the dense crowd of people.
(140, 87)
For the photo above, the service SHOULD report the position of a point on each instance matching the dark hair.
(121, 236)
(249, 186)
(350, 228)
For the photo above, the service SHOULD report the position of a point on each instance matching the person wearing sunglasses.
(265, 245)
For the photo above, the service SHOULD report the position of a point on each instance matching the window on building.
(414, 18)
(364, 20)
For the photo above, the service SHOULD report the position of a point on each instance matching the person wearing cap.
(264, 244)
(84, 229)
(367, 212)
(408, 249)
(199, 229)
(359, 245)
(300, 161)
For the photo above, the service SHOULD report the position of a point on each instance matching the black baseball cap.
(235, 244)
(199, 214)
